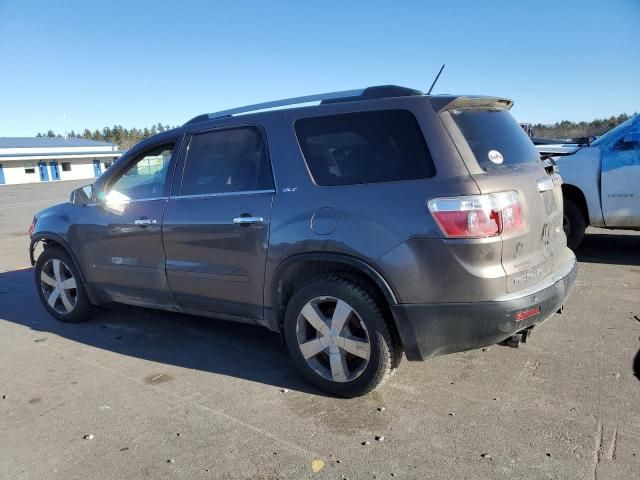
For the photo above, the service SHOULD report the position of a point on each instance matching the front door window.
(145, 179)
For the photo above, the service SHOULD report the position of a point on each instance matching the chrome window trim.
(224, 194)
(134, 200)
(131, 200)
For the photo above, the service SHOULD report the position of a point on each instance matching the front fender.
(54, 238)
(51, 224)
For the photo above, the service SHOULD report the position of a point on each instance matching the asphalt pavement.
(145, 394)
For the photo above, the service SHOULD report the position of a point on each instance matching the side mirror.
(82, 195)
(632, 137)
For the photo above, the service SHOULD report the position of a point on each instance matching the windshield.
(495, 138)
(615, 131)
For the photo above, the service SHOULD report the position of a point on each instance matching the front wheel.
(60, 288)
(338, 338)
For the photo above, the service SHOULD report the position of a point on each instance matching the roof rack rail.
(381, 91)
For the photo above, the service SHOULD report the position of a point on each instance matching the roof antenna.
(436, 79)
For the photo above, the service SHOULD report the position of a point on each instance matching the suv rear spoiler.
(444, 103)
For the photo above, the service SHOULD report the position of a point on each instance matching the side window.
(146, 178)
(364, 147)
(622, 145)
(223, 161)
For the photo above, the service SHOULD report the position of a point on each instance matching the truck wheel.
(338, 338)
(573, 224)
(60, 287)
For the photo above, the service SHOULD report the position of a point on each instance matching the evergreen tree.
(106, 134)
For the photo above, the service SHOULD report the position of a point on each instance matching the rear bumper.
(436, 329)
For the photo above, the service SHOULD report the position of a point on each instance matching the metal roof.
(50, 142)
(71, 154)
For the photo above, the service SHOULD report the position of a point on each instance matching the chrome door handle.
(145, 221)
(248, 220)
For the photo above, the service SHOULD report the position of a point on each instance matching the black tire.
(385, 352)
(82, 309)
(574, 224)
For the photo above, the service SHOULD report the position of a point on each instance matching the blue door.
(44, 171)
(55, 172)
(1, 175)
(96, 168)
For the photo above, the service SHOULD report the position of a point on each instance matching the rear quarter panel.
(369, 220)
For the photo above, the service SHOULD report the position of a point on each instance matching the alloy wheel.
(333, 339)
(58, 286)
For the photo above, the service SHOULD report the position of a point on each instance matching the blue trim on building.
(44, 171)
(55, 170)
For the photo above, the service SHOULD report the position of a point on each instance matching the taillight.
(477, 216)
(510, 212)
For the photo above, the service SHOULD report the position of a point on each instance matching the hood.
(558, 150)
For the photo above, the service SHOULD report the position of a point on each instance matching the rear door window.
(227, 161)
(364, 147)
(495, 138)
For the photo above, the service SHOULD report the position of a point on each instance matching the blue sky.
(136, 63)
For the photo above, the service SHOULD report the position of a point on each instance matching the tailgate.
(534, 253)
(500, 157)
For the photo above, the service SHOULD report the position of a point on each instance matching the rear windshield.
(495, 138)
(364, 147)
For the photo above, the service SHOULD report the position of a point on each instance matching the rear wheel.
(573, 224)
(338, 338)
(59, 286)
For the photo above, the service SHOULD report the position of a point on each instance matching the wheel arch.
(301, 267)
(577, 196)
(49, 239)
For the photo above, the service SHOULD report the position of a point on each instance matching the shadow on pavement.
(610, 249)
(225, 348)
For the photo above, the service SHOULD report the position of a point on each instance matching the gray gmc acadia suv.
(380, 222)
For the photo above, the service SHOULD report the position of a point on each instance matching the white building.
(48, 159)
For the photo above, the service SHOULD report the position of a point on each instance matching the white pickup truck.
(601, 181)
